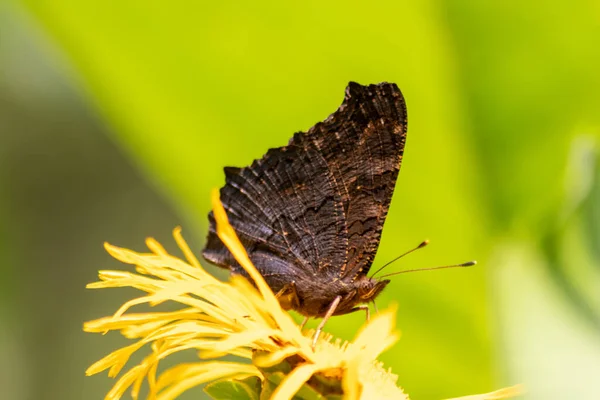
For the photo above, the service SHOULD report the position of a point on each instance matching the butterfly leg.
(303, 323)
(328, 315)
(288, 296)
(362, 307)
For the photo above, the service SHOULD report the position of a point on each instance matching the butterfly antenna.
(420, 246)
(466, 264)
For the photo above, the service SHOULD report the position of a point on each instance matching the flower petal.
(294, 381)
(505, 393)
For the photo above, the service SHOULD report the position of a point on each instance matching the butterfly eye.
(366, 288)
(370, 288)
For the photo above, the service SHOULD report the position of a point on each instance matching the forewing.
(362, 144)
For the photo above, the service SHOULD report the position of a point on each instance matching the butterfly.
(310, 214)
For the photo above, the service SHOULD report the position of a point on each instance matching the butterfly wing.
(318, 204)
(362, 144)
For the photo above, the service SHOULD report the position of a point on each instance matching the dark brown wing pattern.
(362, 143)
(318, 204)
(286, 211)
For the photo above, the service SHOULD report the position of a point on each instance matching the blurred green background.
(116, 119)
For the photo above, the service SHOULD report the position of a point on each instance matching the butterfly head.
(369, 288)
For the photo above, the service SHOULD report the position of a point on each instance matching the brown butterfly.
(310, 214)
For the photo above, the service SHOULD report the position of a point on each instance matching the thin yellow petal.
(228, 236)
(124, 255)
(505, 393)
(350, 382)
(294, 381)
(246, 338)
(269, 359)
(149, 363)
(115, 360)
(113, 279)
(156, 247)
(124, 383)
(187, 252)
(376, 336)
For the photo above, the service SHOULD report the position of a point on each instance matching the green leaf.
(571, 247)
(247, 389)
(591, 207)
(267, 390)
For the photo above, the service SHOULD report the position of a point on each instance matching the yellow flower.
(230, 318)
